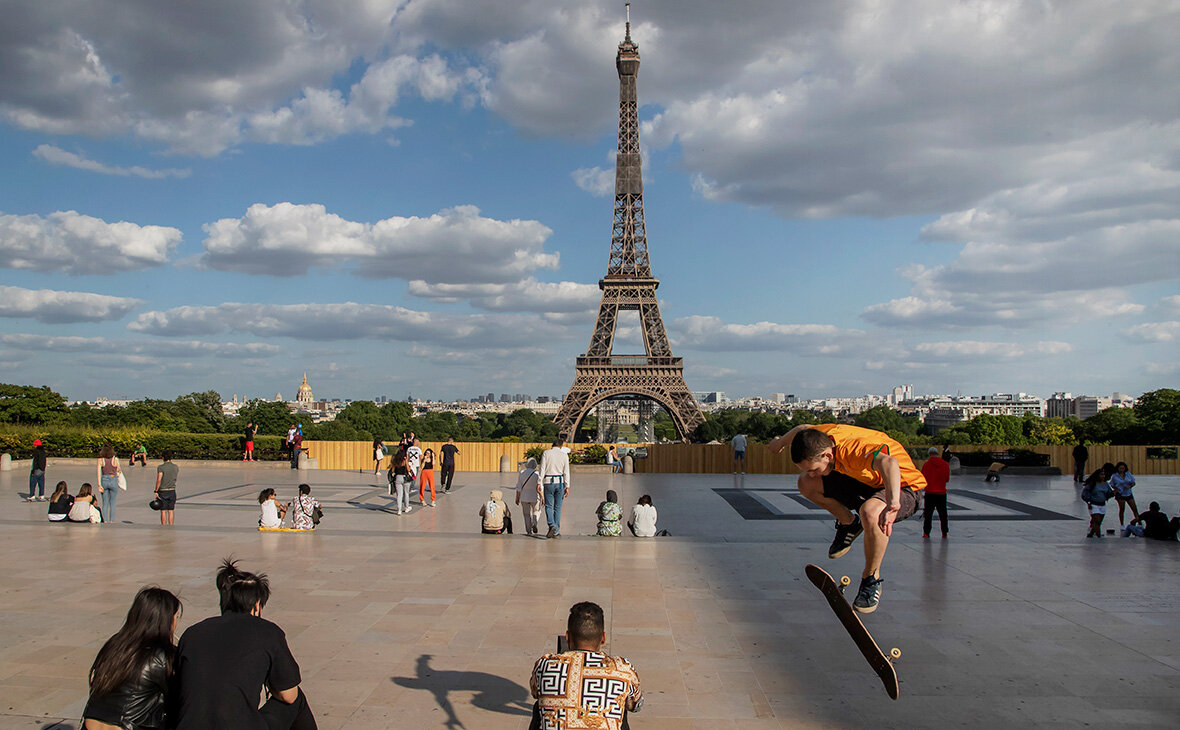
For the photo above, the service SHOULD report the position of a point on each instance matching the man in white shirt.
(414, 466)
(555, 483)
(739, 453)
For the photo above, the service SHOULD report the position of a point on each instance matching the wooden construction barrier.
(715, 458)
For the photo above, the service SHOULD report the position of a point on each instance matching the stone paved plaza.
(420, 621)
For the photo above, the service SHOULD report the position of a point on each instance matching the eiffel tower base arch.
(661, 383)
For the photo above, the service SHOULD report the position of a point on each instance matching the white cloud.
(71, 243)
(58, 156)
(598, 181)
(1170, 305)
(528, 295)
(60, 307)
(942, 306)
(1154, 332)
(171, 349)
(975, 351)
(350, 321)
(712, 334)
(454, 246)
(467, 358)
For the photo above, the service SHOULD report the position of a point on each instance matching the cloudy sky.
(413, 198)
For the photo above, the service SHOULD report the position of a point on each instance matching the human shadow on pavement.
(492, 693)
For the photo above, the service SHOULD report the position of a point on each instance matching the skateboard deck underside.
(855, 627)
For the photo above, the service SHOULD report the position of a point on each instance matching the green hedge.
(85, 443)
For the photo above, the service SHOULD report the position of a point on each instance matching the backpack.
(1087, 492)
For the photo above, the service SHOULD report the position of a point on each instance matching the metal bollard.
(5, 462)
(628, 464)
(505, 464)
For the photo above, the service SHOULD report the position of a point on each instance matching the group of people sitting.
(305, 510)
(82, 507)
(496, 519)
(141, 678)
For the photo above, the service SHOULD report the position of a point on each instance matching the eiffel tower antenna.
(629, 286)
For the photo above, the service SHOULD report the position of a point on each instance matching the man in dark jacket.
(37, 473)
(1080, 455)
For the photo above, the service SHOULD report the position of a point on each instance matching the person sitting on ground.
(1156, 524)
(643, 518)
(496, 519)
(273, 511)
(225, 662)
(610, 515)
(85, 506)
(993, 471)
(130, 678)
(140, 455)
(60, 503)
(1095, 492)
(303, 509)
(582, 687)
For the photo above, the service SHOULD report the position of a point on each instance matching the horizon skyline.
(416, 197)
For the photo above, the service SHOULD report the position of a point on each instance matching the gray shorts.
(853, 493)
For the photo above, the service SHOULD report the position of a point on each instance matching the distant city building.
(278, 397)
(946, 411)
(304, 394)
(778, 397)
(1064, 405)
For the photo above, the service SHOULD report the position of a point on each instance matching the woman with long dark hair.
(108, 480)
(130, 675)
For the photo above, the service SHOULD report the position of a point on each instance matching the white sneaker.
(432, 503)
(398, 512)
(408, 509)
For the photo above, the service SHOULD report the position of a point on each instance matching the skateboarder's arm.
(887, 466)
(778, 444)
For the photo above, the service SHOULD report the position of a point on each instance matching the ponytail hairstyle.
(62, 490)
(147, 630)
(241, 591)
(265, 494)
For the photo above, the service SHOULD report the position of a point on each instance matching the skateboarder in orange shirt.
(866, 480)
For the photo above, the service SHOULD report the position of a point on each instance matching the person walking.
(449, 452)
(378, 454)
(398, 477)
(528, 495)
(414, 465)
(1080, 455)
(937, 472)
(166, 488)
(1095, 494)
(1123, 481)
(554, 471)
(37, 472)
(426, 477)
(108, 472)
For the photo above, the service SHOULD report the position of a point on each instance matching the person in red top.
(866, 480)
(937, 472)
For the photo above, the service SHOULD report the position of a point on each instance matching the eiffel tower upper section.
(629, 286)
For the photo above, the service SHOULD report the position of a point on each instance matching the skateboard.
(881, 664)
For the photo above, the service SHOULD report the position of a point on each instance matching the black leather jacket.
(139, 703)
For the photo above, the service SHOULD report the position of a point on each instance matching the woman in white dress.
(273, 511)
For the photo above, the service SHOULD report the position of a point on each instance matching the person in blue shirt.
(1123, 481)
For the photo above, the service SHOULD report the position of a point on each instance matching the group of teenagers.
(1116, 480)
(96, 505)
(412, 465)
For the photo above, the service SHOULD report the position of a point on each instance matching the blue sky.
(413, 198)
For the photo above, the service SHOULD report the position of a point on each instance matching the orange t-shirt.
(857, 447)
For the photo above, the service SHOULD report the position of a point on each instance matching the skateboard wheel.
(845, 580)
(895, 653)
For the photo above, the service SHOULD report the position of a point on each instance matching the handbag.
(122, 481)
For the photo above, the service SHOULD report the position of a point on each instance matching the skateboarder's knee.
(811, 487)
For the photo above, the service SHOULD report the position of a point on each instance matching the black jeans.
(281, 716)
(1079, 470)
(934, 501)
(444, 479)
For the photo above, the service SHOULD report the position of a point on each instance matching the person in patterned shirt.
(584, 689)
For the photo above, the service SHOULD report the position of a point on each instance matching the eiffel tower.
(629, 286)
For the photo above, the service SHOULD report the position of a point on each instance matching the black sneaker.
(845, 536)
(869, 595)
